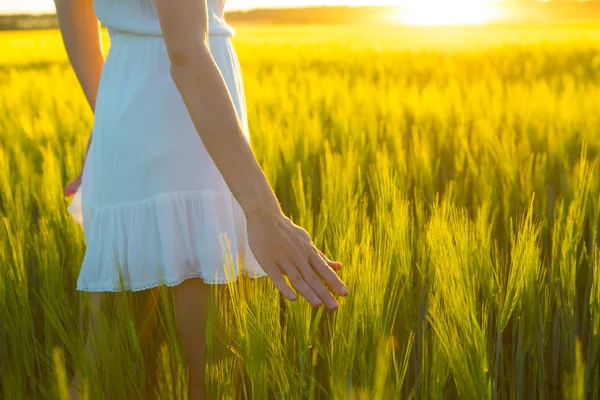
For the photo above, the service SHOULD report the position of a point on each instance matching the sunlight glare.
(445, 12)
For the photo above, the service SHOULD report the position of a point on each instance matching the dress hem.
(129, 288)
(165, 239)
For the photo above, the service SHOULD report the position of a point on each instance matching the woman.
(170, 172)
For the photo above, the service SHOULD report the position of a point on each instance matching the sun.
(445, 12)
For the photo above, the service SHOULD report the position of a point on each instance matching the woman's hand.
(283, 248)
(72, 186)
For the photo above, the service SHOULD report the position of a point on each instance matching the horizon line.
(33, 13)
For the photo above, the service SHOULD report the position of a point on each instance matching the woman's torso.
(139, 16)
(145, 143)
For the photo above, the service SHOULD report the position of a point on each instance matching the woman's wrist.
(262, 209)
(259, 202)
(263, 213)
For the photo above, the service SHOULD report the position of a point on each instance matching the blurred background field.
(453, 170)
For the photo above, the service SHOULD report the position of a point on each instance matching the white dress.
(154, 207)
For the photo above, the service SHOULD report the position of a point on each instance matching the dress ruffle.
(164, 240)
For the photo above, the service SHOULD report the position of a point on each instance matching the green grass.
(453, 171)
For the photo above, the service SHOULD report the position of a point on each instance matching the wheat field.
(454, 172)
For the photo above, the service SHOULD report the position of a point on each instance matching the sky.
(45, 6)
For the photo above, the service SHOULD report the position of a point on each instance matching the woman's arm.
(81, 35)
(80, 31)
(278, 245)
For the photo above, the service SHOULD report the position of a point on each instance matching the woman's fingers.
(72, 186)
(312, 279)
(70, 189)
(282, 286)
(335, 265)
(276, 277)
(328, 275)
(298, 282)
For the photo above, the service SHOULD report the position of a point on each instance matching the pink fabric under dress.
(154, 207)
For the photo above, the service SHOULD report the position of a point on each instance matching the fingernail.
(344, 290)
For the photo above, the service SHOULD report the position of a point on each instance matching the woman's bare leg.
(147, 317)
(191, 302)
(191, 306)
(96, 300)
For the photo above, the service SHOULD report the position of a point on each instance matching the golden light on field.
(444, 12)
